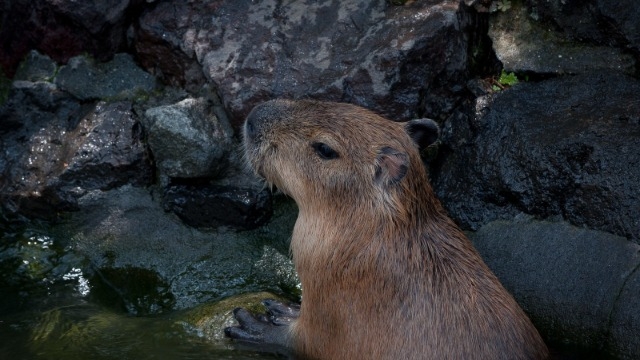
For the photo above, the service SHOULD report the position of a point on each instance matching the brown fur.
(385, 273)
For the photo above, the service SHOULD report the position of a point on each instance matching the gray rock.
(36, 67)
(517, 42)
(563, 147)
(625, 319)
(397, 60)
(187, 139)
(126, 228)
(569, 280)
(120, 77)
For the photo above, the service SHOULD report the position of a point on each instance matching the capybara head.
(317, 151)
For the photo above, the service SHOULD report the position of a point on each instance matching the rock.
(63, 29)
(603, 22)
(187, 139)
(36, 67)
(54, 149)
(562, 147)
(120, 77)
(164, 40)
(125, 228)
(579, 286)
(397, 60)
(209, 320)
(625, 320)
(210, 206)
(517, 43)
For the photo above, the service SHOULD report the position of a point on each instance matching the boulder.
(603, 22)
(565, 147)
(187, 139)
(126, 231)
(579, 286)
(120, 78)
(397, 60)
(54, 149)
(516, 36)
(36, 67)
(210, 206)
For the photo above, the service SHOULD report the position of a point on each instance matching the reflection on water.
(47, 312)
(84, 331)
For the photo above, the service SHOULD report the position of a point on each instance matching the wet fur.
(385, 273)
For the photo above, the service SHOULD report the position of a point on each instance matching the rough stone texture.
(36, 67)
(569, 280)
(563, 147)
(187, 139)
(210, 206)
(397, 60)
(54, 149)
(603, 22)
(119, 77)
(624, 341)
(62, 29)
(126, 228)
(517, 42)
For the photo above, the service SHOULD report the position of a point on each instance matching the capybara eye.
(324, 151)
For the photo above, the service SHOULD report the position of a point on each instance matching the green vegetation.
(502, 5)
(504, 81)
(509, 79)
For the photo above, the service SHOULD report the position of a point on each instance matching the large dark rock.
(210, 206)
(54, 149)
(602, 22)
(565, 147)
(62, 29)
(398, 60)
(579, 286)
(516, 37)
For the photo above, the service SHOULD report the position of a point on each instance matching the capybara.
(385, 273)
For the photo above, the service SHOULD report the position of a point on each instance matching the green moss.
(508, 79)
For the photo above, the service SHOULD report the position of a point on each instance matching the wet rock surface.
(210, 206)
(564, 147)
(395, 60)
(55, 148)
(127, 229)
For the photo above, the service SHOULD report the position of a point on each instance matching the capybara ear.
(424, 132)
(391, 166)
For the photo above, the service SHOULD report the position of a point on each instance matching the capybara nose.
(262, 116)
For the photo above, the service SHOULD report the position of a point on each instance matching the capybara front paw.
(280, 313)
(270, 328)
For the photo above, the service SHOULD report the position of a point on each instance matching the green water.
(49, 310)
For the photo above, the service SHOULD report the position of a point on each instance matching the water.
(48, 311)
